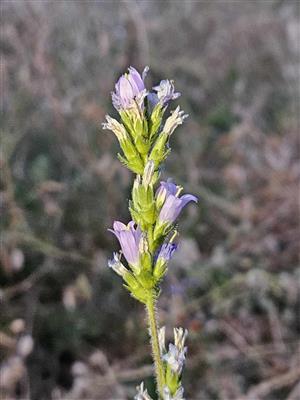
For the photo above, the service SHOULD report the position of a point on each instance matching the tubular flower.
(173, 204)
(164, 256)
(166, 251)
(177, 117)
(129, 238)
(129, 88)
(166, 92)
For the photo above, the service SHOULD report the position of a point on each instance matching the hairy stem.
(159, 369)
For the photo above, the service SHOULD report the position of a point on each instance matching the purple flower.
(152, 100)
(166, 92)
(129, 238)
(166, 251)
(129, 87)
(167, 187)
(173, 204)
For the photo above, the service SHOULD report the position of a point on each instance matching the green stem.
(159, 369)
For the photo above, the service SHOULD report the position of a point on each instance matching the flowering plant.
(147, 241)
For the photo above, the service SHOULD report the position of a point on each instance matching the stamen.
(179, 190)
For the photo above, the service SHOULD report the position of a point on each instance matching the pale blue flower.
(166, 92)
(129, 88)
(129, 237)
(175, 358)
(173, 204)
(166, 251)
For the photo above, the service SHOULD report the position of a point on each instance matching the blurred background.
(68, 329)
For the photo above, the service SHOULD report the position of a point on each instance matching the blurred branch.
(7, 341)
(218, 201)
(270, 385)
(231, 288)
(295, 393)
(135, 374)
(45, 248)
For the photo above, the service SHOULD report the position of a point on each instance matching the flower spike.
(147, 241)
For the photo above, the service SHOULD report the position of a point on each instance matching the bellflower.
(152, 100)
(129, 88)
(173, 204)
(167, 187)
(129, 238)
(164, 256)
(166, 251)
(166, 92)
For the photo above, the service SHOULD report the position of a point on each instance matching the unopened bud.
(180, 335)
(148, 173)
(135, 189)
(117, 266)
(143, 245)
(177, 117)
(161, 195)
(162, 340)
(145, 256)
(115, 126)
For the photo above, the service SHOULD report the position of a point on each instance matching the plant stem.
(159, 369)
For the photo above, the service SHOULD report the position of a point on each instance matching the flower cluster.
(174, 360)
(147, 241)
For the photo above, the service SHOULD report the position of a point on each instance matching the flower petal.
(186, 198)
(128, 247)
(171, 209)
(119, 226)
(135, 77)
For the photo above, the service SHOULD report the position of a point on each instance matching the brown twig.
(270, 385)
